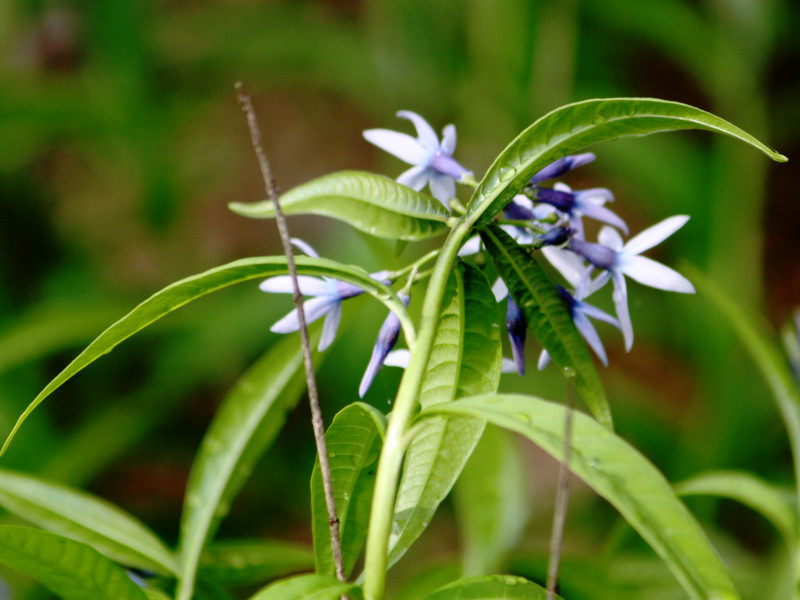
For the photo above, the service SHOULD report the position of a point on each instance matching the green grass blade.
(182, 292)
(466, 359)
(372, 203)
(547, 316)
(245, 425)
(354, 443)
(620, 474)
(85, 518)
(768, 500)
(491, 587)
(573, 127)
(247, 562)
(70, 569)
(492, 502)
(308, 587)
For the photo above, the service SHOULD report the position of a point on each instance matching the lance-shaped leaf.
(465, 360)
(70, 569)
(490, 587)
(253, 561)
(547, 317)
(354, 444)
(245, 425)
(620, 474)
(308, 587)
(191, 288)
(492, 502)
(773, 503)
(573, 127)
(372, 203)
(86, 518)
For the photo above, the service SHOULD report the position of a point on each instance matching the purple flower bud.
(387, 338)
(555, 236)
(516, 211)
(600, 256)
(562, 165)
(517, 330)
(563, 201)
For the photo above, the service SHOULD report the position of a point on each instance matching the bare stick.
(313, 396)
(562, 498)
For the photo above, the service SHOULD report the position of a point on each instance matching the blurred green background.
(121, 144)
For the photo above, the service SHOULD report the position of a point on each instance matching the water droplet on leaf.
(507, 173)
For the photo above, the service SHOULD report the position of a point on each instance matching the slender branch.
(562, 498)
(313, 395)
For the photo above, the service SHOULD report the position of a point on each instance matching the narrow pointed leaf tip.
(571, 128)
(372, 203)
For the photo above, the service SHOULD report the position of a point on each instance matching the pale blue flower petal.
(304, 247)
(403, 146)
(508, 366)
(566, 262)
(449, 139)
(610, 238)
(415, 178)
(443, 188)
(620, 297)
(589, 333)
(604, 215)
(309, 286)
(596, 313)
(471, 246)
(544, 360)
(499, 289)
(427, 136)
(398, 358)
(654, 235)
(654, 274)
(330, 326)
(313, 310)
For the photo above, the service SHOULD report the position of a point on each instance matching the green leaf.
(466, 359)
(245, 562)
(756, 339)
(768, 500)
(573, 127)
(619, 473)
(308, 587)
(245, 425)
(70, 569)
(354, 443)
(492, 502)
(191, 288)
(372, 203)
(85, 518)
(490, 587)
(547, 316)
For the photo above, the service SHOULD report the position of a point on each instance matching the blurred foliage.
(121, 144)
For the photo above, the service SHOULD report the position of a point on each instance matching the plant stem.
(386, 481)
(317, 423)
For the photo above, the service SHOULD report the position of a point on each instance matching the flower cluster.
(543, 217)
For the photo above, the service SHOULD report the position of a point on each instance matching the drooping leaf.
(492, 502)
(465, 360)
(86, 518)
(245, 562)
(308, 587)
(766, 353)
(573, 127)
(491, 587)
(70, 569)
(765, 498)
(191, 288)
(619, 473)
(547, 317)
(354, 444)
(245, 425)
(372, 203)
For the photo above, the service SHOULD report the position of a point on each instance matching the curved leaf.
(308, 587)
(245, 425)
(71, 570)
(86, 518)
(768, 500)
(768, 358)
(573, 127)
(244, 562)
(547, 317)
(465, 360)
(619, 473)
(490, 587)
(372, 203)
(354, 444)
(492, 502)
(191, 288)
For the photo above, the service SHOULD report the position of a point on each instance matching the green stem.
(394, 445)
